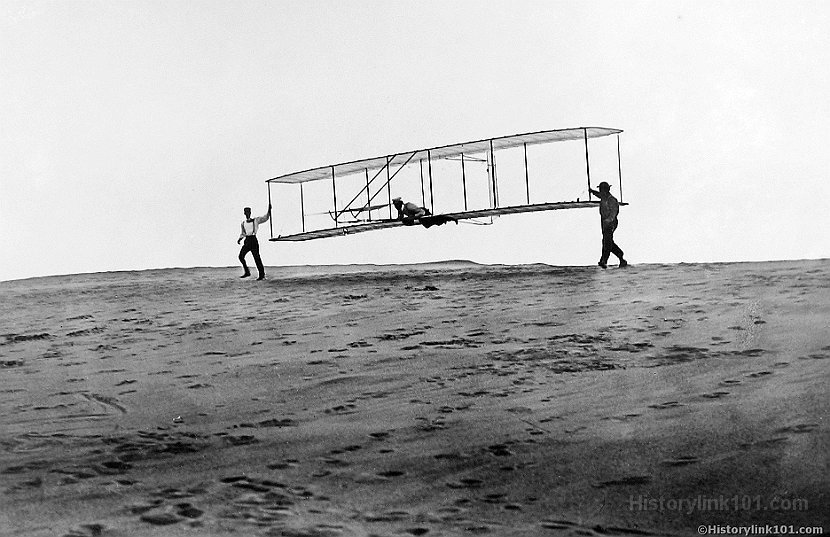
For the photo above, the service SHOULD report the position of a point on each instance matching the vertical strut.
(619, 167)
(334, 192)
(464, 180)
(494, 185)
(431, 198)
(423, 195)
(587, 165)
(270, 220)
(388, 188)
(302, 207)
(527, 176)
(368, 198)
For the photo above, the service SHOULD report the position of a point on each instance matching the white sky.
(133, 133)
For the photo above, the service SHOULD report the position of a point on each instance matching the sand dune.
(441, 399)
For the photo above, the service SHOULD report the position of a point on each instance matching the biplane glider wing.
(360, 193)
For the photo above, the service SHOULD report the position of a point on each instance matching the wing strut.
(587, 165)
(619, 167)
(334, 191)
(386, 167)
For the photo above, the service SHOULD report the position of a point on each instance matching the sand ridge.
(449, 399)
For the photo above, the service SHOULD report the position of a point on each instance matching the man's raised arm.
(263, 219)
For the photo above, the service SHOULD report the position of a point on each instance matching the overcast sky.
(133, 133)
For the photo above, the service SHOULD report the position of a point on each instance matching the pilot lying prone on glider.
(410, 214)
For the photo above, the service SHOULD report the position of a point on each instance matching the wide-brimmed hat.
(604, 186)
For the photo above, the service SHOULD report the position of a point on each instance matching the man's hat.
(604, 186)
(396, 199)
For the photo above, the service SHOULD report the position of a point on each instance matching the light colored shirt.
(250, 227)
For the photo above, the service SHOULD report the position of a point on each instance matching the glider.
(360, 193)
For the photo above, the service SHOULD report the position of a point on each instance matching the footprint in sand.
(347, 449)
(241, 440)
(452, 456)
(624, 481)
(276, 422)
(342, 409)
(387, 516)
(730, 382)
(126, 382)
(769, 442)
(114, 467)
(188, 511)
(428, 425)
(283, 465)
(160, 519)
(558, 524)
(35, 483)
(170, 493)
(715, 395)
(26, 468)
(263, 502)
(107, 402)
(799, 428)
(334, 461)
(495, 498)
(141, 508)
(578, 529)
(681, 461)
(391, 473)
(499, 450)
(624, 417)
(759, 374)
(667, 404)
(87, 530)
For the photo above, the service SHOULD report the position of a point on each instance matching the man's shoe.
(603, 265)
(246, 275)
(623, 263)
(261, 278)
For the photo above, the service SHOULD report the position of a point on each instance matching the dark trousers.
(608, 245)
(251, 244)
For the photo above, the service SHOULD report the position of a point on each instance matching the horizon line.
(418, 264)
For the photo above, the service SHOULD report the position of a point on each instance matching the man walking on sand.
(249, 229)
(609, 208)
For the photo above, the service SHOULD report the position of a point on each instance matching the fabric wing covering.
(447, 151)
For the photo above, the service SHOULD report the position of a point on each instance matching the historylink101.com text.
(702, 503)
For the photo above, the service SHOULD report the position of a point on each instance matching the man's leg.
(257, 259)
(607, 241)
(618, 252)
(242, 253)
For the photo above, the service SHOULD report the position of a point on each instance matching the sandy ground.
(449, 399)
